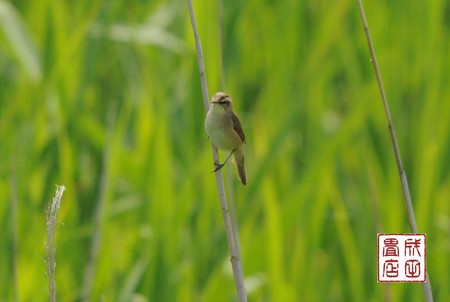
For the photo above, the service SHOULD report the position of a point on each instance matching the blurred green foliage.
(104, 97)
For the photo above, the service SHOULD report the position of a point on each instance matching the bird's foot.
(218, 166)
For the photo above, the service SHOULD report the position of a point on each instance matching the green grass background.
(104, 97)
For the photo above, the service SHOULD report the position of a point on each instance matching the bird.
(225, 132)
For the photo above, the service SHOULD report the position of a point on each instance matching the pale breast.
(220, 131)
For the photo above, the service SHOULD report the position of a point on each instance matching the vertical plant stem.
(91, 265)
(235, 261)
(13, 213)
(229, 166)
(50, 249)
(222, 43)
(426, 286)
(374, 201)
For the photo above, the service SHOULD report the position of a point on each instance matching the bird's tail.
(240, 166)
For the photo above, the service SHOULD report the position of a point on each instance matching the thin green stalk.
(50, 249)
(13, 213)
(426, 286)
(91, 265)
(235, 262)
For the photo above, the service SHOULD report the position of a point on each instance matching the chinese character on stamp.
(401, 257)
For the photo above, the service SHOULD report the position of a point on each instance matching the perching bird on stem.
(225, 131)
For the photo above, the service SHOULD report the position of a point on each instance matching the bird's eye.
(224, 100)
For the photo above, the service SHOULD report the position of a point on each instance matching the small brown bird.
(225, 131)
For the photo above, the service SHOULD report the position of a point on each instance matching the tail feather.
(240, 165)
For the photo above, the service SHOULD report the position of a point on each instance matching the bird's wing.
(237, 127)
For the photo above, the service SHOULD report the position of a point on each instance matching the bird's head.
(222, 100)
